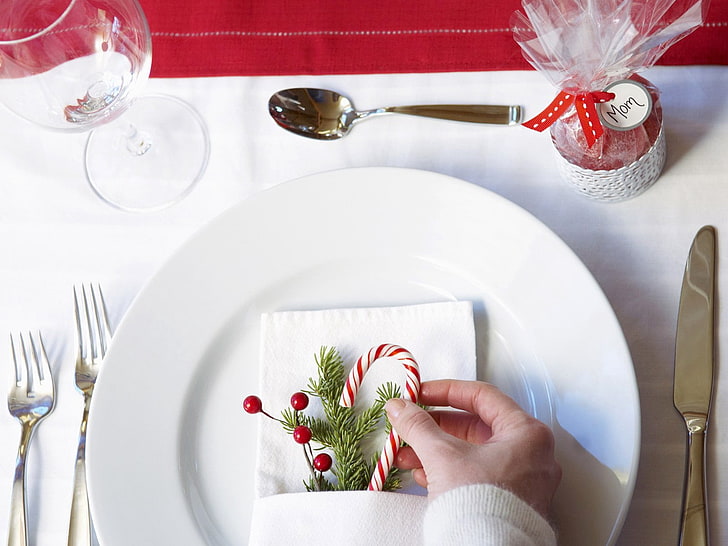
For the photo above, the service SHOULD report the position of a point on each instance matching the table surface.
(54, 232)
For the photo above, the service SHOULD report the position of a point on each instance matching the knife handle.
(694, 524)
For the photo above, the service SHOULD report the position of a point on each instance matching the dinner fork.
(31, 399)
(93, 335)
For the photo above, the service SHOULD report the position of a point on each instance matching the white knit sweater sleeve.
(484, 515)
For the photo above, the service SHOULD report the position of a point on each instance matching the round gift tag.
(630, 107)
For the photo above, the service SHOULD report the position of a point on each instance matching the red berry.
(302, 434)
(252, 404)
(299, 401)
(322, 462)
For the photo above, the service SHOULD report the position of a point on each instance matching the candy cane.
(353, 382)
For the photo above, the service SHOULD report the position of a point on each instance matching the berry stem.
(269, 416)
(308, 452)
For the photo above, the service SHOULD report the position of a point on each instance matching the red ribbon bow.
(585, 109)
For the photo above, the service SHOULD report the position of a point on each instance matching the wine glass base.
(149, 158)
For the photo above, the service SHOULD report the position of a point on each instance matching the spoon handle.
(474, 113)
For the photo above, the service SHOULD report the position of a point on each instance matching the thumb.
(414, 425)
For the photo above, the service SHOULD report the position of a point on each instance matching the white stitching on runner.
(329, 33)
(274, 34)
(279, 34)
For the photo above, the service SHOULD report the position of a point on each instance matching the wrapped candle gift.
(606, 120)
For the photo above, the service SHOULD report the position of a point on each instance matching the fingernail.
(394, 406)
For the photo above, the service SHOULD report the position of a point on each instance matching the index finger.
(477, 397)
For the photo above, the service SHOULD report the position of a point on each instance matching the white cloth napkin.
(359, 518)
(441, 338)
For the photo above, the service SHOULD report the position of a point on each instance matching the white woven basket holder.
(618, 184)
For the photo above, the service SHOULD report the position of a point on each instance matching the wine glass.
(78, 65)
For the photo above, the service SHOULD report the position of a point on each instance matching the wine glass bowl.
(72, 65)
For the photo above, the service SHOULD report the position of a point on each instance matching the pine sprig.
(342, 429)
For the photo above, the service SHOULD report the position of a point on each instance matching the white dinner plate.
(170, 451)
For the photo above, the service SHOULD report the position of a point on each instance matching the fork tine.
(92, 315)
(40, 358)
(36, 373)
(86, 332)
(29, 370)
(19, 375)
(102, 330)
(103, 319)
(77, 316)
(90, 344)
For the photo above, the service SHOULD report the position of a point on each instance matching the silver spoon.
(327, 115)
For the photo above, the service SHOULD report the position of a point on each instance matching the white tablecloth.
(54, 232)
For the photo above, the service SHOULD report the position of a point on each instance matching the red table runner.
(286, 37)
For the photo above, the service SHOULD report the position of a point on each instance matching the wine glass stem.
(137, 142)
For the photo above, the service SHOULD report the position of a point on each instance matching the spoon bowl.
(327, 115)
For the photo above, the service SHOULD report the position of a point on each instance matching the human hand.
(492, 441)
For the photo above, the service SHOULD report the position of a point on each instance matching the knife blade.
(694, 363)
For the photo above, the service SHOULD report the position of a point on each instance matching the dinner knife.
(694, 355)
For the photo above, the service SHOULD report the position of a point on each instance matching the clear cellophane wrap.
(581, 46)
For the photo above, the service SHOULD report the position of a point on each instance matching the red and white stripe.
(412, 388)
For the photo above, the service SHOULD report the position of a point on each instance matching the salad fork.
(31, 399)
(93, 335)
